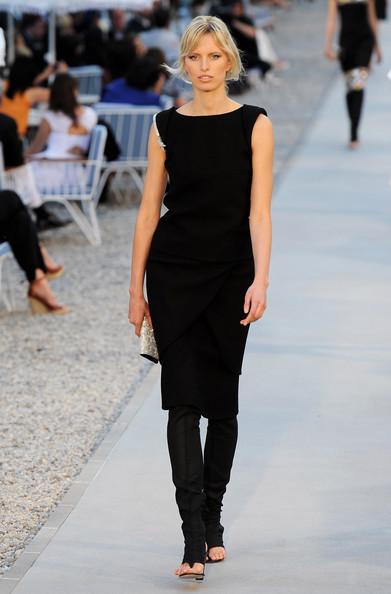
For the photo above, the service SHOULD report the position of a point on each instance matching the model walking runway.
(206, 266)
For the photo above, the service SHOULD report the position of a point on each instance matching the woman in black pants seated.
(18, 229)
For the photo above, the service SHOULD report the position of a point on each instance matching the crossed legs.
(200, 481)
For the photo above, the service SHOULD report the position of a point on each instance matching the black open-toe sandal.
(209, 559)
(214, 538)
(192, 575)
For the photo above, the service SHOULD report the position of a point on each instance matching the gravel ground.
(65, 380)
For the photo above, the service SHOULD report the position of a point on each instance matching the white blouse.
(60, 140)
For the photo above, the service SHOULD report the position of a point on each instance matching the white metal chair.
(79, 183)
(89, 81)
(130, 125)
(6, 293)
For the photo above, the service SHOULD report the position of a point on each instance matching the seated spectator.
(22, 92)
(69, 43)
(17, 228)
(94, 39)
(65, 128)
(32, 41)
(141, 86)
(142, 20)
(173, 86)
(161, 36)
(64, 134)
(17, 175)
(118, 21)
(120, 56)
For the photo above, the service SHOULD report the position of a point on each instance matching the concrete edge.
(11, 578)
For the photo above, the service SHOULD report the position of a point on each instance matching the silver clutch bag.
(148, 348)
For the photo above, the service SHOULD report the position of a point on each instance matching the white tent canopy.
(53, 7)
(62, 6)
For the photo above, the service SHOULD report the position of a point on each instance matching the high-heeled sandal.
(193, 575)
(52, 273)
(214, 538)
(191, 556)
(39, 305)
(209, 559)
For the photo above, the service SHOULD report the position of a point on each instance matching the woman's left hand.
(254, 303)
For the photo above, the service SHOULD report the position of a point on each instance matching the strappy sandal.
(209, 559)
(214, 538)
(193, 575)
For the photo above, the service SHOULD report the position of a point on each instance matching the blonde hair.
(191, 36)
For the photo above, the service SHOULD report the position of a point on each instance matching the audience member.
(17, 228)
(66, 127)
(120, 56)
(69, 42)
(94, 40)
(118, 29)
(21, 93)
(142, 20)
(142, 85)
(65, 131)
(17, 175)
(173, 86)
(161, 36)
(32, 40)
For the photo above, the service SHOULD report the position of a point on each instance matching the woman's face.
(206, 65)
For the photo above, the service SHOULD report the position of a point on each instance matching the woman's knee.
(184, 411)
(10, 205)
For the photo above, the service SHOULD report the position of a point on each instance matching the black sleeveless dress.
(356, 40)
(200, 262)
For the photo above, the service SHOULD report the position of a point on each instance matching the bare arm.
(260, 216)
(372, 18)
(248, 30)
(37, 95)
(330, 29)
(147, 219)
(40, 139)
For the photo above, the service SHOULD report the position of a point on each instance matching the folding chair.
(79, 183)
(130, 125)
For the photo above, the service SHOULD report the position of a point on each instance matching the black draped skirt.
(196, 308)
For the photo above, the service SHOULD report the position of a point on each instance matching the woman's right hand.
(138, 308)
(330, 53)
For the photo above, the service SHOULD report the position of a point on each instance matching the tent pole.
(10, 38)
(52, 38)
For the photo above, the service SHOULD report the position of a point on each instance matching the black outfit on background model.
(356, 41)
(13, 157)
(199, 267)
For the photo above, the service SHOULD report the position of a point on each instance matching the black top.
(354, 17)
(209, 165)
(11, 143)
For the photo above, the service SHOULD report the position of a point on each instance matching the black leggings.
(17, 227)
(354, 103)
(200, 481)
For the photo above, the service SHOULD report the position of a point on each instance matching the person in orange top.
(22, 91)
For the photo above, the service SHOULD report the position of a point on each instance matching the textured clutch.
(148, 348)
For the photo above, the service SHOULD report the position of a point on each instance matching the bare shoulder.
(262, 131)
(263, 122)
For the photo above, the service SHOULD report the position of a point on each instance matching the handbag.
(148, 347)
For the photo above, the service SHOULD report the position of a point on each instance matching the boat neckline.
(209, 115)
